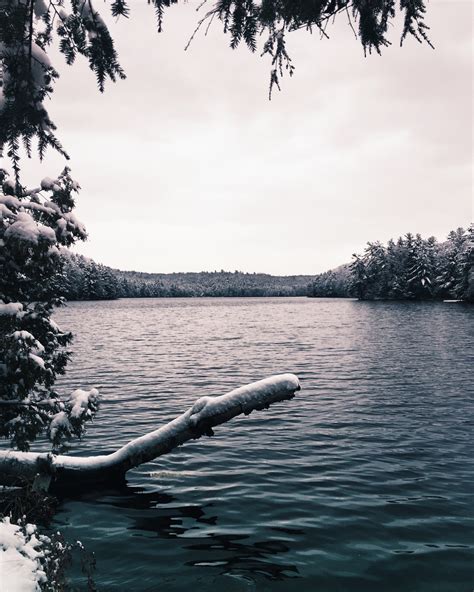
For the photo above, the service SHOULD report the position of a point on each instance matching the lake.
(363, 482)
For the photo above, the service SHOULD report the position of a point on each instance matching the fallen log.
(206, 413)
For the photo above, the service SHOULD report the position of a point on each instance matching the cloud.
(187, 166)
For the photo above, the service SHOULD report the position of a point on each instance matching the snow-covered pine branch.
(34, 225)
(198, 420)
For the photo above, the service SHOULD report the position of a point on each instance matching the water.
(363, 482)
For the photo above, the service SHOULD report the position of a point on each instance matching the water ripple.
(362, 483)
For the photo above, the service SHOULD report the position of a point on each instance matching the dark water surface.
(363, 482)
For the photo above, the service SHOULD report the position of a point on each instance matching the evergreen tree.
(414, 268)
(464, 278)
(359, 277)
(34, 225)
(422, 273)
(376, 270)
(397, 256)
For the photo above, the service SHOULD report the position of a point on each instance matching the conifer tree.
(464, 280)
(422, 273)
(359, 277)
(414, 268)
(376, 270)
(449, 276)
(34, 225)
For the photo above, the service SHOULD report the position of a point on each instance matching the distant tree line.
(84, 279)
(411, 268)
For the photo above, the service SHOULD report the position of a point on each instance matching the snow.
(80, 402)
(6, 212)
(48, 184)
(248, 397)
(11, 309)
(37, 360)
(36, 346)
(20, 558)
(210, 410)
(74, 223)
(204, 414)
(40, 208)
(9, 200)
(22, 335)
(54, 326)
(59, 423)
(25, 228)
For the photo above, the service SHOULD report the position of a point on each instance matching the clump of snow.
(22, 335)
(48, 184)
(21, 551)
(26, 336)
(80, 406)
(26, 229)
(12, 309)
(81, 402)
(59, 425)
(9, 200)
(37, 360)
(6, 212)
(75, 224)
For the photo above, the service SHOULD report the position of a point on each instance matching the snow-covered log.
(206, 413)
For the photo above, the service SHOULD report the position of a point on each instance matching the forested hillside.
(410, 268)
(84, 279)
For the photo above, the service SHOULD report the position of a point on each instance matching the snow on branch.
(206, 413)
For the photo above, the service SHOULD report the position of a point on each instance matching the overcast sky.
(186, 165)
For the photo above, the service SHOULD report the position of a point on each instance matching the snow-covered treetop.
(41, 215)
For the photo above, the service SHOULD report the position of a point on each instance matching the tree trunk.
(207, 412)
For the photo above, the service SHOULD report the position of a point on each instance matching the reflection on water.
(362, 483)
(159, 514)
(237, 557)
